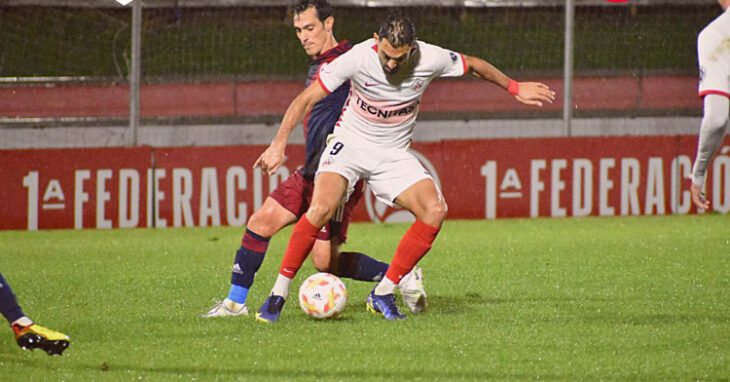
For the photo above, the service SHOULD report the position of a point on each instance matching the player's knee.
(255, 219)
(261, 223)
(442, 210)
(319, 213)
(436, 213)
(256, 222)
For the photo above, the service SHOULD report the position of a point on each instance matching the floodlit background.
(638, 52)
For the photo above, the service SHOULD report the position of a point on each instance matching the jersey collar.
(333, 53)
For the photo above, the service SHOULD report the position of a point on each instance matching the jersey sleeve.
(448, 63)
(714, 62)
(337, 71)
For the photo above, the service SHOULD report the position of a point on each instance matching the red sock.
(300, 244)
(414, 245)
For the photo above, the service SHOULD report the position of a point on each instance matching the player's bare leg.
(424, 200)
(329, 192)
(327, 257)
(263, 224)
(270, 218)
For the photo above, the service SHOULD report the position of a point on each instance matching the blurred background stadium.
(242, 40)
(67, 62)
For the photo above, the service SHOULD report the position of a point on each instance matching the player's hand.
(698, 197)
(270, 160)
(535, 93)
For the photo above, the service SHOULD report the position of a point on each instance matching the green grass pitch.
(640, 298)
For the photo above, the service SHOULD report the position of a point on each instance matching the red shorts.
(295, 194)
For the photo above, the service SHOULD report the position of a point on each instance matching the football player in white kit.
(388, 75)
(713, 54)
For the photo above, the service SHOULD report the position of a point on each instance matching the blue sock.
(248, 261)
(359, 266)
(8, 302)
(238, 294)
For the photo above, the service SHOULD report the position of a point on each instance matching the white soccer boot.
(412, 292)
(226, 308)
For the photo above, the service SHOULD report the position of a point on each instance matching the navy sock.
(359, 266)
(8, 302)
(248, 261)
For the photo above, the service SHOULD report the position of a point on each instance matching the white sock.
(385, 286)
(23, 321)
(281, 286)
(233, 306)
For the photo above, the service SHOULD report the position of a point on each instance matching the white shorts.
(388, 171)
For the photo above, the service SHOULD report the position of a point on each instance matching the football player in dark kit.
(313, 22)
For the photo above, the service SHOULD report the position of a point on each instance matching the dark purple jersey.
(320, 121)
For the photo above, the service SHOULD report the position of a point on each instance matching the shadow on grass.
(321, 374)
(20, 358)
(247, 372)
(470, 302)
(456, 304)
(658, 318)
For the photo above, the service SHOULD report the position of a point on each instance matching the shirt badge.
(417, 84)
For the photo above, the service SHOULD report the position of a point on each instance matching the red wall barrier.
(499, 178)
(267, 98)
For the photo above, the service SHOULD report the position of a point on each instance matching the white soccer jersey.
(382, 109)
(713, 53)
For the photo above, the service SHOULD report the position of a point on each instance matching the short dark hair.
(398, 30)
(323, 8)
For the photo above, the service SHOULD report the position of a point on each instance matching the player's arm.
(273, 157)
(712, 132)
(530, 93)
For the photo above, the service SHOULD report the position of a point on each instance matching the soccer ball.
(322, 295)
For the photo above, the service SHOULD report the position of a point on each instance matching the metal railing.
(135, 64)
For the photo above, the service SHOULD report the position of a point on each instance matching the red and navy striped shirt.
(320, 121)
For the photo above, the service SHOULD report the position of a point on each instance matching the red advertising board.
(211, 186)
(73, 188)
(480, 179)
(564, 177)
